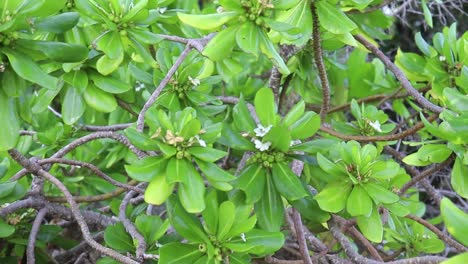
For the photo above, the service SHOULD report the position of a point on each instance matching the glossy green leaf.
(73, 106)
(207, 22)
(151, 227)
(459, 179)
(262, 242)
(371, 227)
(380, 194)
(192, 192)
(105, 65)
(213, 172)
(158, 190)
(334, 196)
(6, 188)
(242, 118)
(269, 208)
(147, 168)
(57, 24)
(9, 135)
(6, 230)
(359, 202)
(265, 106)
(226, 218)
(99, 100)
(206, 153)
(458, 259)
(177, 170)
(191, 129)
(110, 84)
(455, 220)
(456, 100)
(57, 51)
(111, 45)
(117, 238)
(427, 13)
(279, 137)
(286, 182)
(187, 225)
(222, 44)
(252, 182)
(211, 213)
(306, 126)
(77, 79)
(269, 49)
(178, 253)
(294, 114)
(28, 69)
(247, 38)
(333, 19)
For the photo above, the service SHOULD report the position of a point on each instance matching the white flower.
(161, 10)
(442, 58)
(243, 237)
(375, 125)
(200, 141)
(262, 146)
(294, 142)
(194, 81)
(220, 9)
(261, 131)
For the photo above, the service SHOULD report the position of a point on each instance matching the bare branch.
(30, 256)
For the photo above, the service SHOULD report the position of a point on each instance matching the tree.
(213, 132)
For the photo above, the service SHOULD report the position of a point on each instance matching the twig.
(400, 76)
(77, 250)
(427, 172)
(300, 236)
(319, 63)
(370, 248)
(93, 169)
(439, 233)
(38, 170)
(273, 260)
(420, 125)
(30, 256)
(116, 127)
(131, 229)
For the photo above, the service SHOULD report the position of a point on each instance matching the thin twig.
(115, 127)
(400, 76)
(439, 233)
(38, 170)
(319, 63)
(30, 256)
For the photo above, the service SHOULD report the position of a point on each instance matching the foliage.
(198, 131)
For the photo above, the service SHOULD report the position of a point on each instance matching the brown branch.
(439, 233)
(30, 256)
(38, 170)
(273, 260)
(319, 63)
(300, 236)
(77, 250)
(400, 76)
(116, 127)
(126, 107)
(368, 245)
(426, 173)
(420, 125)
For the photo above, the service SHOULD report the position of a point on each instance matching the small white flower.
(294, 142)
(261, 131)
(262, 146)
(194, 81)
(162, 10)
(375, 125)
(442, 58)
(200, 141)
(220, 9)
(158, 245)
(243, 237)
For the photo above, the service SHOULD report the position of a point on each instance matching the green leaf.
(269, 49)
(241, 116)
(306, 126)
(100, 100)
(57, 24)
(57, 51)
(207, 154)
(134, 9)
(262, 242)
(371, 227)
(191, 129)
(459, 179)
(147, 168)
(455, 220)
(26, 68)
(380, 194)
(252, 182)
(192, 191)
(427, 154)
(177, 170)
(286, 182)
(279, 137)
(294, 114)
(178, 253)
(226, 218)
(222, 44)
(333, 19)
(269, 207)
(328, 166)
(9, 135)
(117, 238)
(6, 230)
(105, 65)
(77, 79)
(423, 46)
(247, 38)
(427, 13)
(110, 84)
(265, 106)
(359, 202)
(207, 22)
(211, 213)
(111, 45)
(187, 225)
(151, 227)
(158, 190)
(461, 258)
(456, 100)
(6, 188)
(334, 196)
(73, 106)
(213, 172)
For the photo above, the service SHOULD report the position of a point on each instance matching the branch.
(319, 63)
(116, 127)
(427, 172)
(38, 170)
(77, 250)
(400, 76)
(30, 256)
(411, 131)
(131, 229)
(439, 233)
